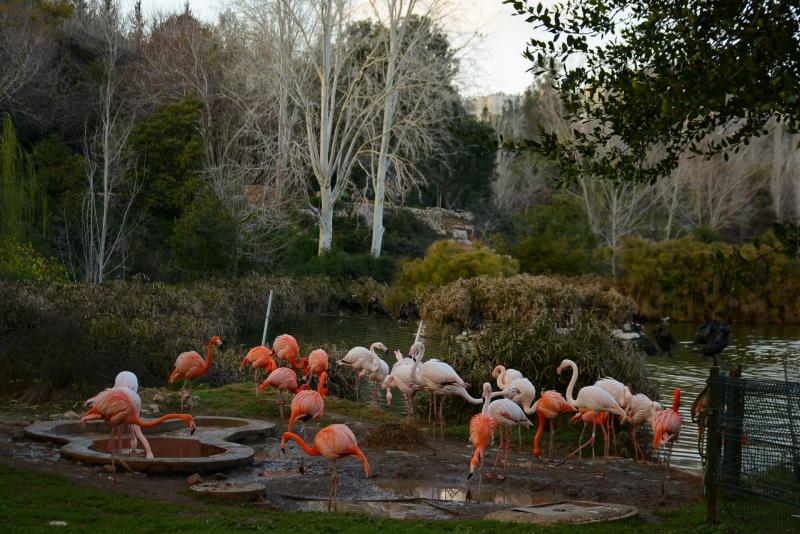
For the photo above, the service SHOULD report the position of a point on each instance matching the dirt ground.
(398, 477)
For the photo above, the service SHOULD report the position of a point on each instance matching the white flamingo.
(621, 394)
(592, 398)
(520, 390)
(400, 377)
(504, 376)
(640, 412)
(441, 380)
(361, 359)
(507, 414)
(376, 374)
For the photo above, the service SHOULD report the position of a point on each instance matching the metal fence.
(753, 451)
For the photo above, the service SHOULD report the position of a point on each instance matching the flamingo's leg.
(191, 403)
(552, 424)
(408, 408)
(580, 440)
(355, 385)
(605, 442)
(519, 435)
(280, 403)
(183, 394)
(441, 418)
(594, 431)
(505, 456)
(138, 432)
(573, 453)
(497, 457)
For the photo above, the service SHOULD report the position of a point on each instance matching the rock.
(71, 415)
(57, 523)
(219, 476)
(107, 468)
(17, 434)
(160, 397)
(154, 408)
(191, 480)
(56, 417)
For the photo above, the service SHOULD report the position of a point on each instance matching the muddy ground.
(405, 483)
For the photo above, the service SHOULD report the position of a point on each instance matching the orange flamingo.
(307, 404)
(315, 364)
(667, 425)
(549, 406)
(259, 357)
(118, 407)
(481, 434)
(596, 419)
(282, 379)
(285, 348)
(333, 442)
(190, 366)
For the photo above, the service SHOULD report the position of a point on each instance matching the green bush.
(531, 324)
(21, 262)
(685, 280)
(204, 242)
(552, 238)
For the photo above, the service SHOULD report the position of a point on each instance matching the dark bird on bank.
(664, 337)
(408, 311)
(639, 318)
(351, 304)
(375, 306)
(644, 343)
(715, 337)
(476, 321)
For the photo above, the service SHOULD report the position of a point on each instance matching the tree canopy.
(646, 81)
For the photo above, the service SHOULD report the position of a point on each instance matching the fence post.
(711, 482)
(734, 427)
(266, 320)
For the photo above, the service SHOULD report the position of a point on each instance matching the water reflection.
(435, 491)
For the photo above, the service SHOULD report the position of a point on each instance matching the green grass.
(29, 500)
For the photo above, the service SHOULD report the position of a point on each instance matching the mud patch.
(396, 436)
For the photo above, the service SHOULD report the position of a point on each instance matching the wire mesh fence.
(757, 464)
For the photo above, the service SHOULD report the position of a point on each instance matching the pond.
(763, 351)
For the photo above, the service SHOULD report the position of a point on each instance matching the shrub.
(532, 324)
(21, 262)
(205, 238)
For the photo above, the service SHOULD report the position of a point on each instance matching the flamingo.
(596, 418)
(286, 349)
(440, 379)
(118, 406)
(549, 406)
(400, 377)
(360, 359)
(190, 366)
(308, 404)
(666, 424)
(640, 411)
(259, 357)
(282, 379)
(518, 389)
(315, 364)
(333, 442)
(481, 434)
(506, 414)
(129, 380)
(621, 394)
(592, 398)
(377, 374)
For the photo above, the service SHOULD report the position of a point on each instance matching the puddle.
(392, 509)
(166, 447)
(443, 492)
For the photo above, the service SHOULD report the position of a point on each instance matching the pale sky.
(491, 61)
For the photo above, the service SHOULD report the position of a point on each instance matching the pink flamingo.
(549, 406)
(282, 379)
(504, 376)
(259, 357)
(518, 388)
(640, 411)
(315, 364)
(441, 380)
(361, 360)
(190, 365)
(507, 414)
(596, 418)
(129, 380)
(589, 398)
(667, 424)
(308, 404)
(118, 406)
(481, 434)
(333, 442)
(400, 378)
(622, 395)
(286, 349)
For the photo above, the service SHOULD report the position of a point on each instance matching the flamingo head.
(417, 349)
(497, 371)
(322, 387)
(380, 346)
(215, 341)
(561, 367)
(304, 387)
(263, 385)
(283, 442)
(192, 426)
(388, 397)
(487, 391)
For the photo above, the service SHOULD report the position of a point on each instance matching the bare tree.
(784, 182)
(111, 188)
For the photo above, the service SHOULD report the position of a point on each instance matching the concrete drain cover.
(554, 513)
(229, 490)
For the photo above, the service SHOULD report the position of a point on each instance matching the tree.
(23, 202)
(111, 189)
(664, 76)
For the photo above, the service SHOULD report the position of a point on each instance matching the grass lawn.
(29, 500)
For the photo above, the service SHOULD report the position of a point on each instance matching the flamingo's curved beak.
(283, 449)
(469, 475)
(192, 428)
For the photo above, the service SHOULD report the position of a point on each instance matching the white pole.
(266, 320)
(419, 332)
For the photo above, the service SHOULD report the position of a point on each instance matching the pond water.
(763, 351)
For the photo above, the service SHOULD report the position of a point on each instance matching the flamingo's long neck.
(417, 359)
(209, 356)
(676, 400)
(531, 409)
(168, 417)
(572, 381)
(308, 450)
(321, 386)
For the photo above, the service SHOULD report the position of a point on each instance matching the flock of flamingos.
(597, 404)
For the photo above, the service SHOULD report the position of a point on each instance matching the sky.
(493, 41)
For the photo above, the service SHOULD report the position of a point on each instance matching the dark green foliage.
(663, 75)
(23, 202)
(406, 236)
(204, 242)
(552, 238)
(61, 173)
